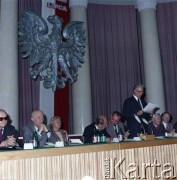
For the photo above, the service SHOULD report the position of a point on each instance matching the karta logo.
(137, 171)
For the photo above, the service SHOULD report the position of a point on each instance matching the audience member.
(156, 127)
(166, 117)
(57, 134)
(8, 133)
(133, 112)
(115, 126)
(98, 127)
(36, 125)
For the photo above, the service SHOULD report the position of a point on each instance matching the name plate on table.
(28, 146)
(75, 141)
(59, 144)
(147, 137)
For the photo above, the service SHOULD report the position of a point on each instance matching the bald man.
(36, 125)
(99, 126)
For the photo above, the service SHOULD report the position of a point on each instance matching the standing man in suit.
(36, 125)
(8, 133)
(133, 112)
(115, 126)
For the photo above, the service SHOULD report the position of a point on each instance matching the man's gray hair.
(138, 86)
(36, 111)
(155, 115)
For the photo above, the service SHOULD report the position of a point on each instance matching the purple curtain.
(115, 55)
(28, 88)
(167, 27)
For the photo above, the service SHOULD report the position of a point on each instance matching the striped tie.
(139, 103)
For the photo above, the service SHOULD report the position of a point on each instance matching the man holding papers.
(134, 114)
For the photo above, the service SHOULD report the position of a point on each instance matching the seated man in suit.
(156, 127)
(115, 126)
(36, 126)
(8, 133)
(166, 117)
(98, 127)
(133, 112)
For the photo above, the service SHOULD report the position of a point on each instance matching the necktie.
(1, 136)
(115, 128)
(166, 127)
(139, 103)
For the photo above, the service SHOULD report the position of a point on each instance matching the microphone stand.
(138, 119)
(145, 121)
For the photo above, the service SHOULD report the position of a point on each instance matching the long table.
(153, 159)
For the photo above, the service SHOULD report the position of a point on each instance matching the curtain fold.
(167, 27)
(115, 55)
(28, 88)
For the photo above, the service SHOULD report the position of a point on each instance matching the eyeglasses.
(3, 118)
(140, 91)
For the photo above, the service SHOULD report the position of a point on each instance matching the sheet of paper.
(59, 144)
(150, 107)
(75, 141)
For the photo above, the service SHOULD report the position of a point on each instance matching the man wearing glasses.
(133, 112)
(8, 133)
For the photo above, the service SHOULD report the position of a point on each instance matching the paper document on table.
(150, 107)
(75, 141)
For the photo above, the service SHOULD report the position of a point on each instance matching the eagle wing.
(73, 49)
(32, 31)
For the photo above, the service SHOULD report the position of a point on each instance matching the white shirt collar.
(36, 128)
(135, 97)
(155, 125)
(165, 124)
(96, 127)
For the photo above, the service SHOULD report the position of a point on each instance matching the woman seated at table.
(57, 134)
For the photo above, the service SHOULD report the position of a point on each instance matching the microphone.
(138, 119)
(145, 121)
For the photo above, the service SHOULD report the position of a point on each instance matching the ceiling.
(123, 2)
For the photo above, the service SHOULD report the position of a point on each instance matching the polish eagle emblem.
(53, 57)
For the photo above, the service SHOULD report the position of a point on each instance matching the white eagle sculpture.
(54, 57)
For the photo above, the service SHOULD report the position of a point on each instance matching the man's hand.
(108, 139)
(10, 141)
(127, 133)
(171, 133)
(151, 112)
(43, 128)
(139, 113)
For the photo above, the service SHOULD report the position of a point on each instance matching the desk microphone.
(145, 121)
(138, 119)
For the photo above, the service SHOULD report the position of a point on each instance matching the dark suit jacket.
(89, 133)
(131, 107)
(111, 131)
(28, 131)
(9, 130)
(169, 127)
(157, 131)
